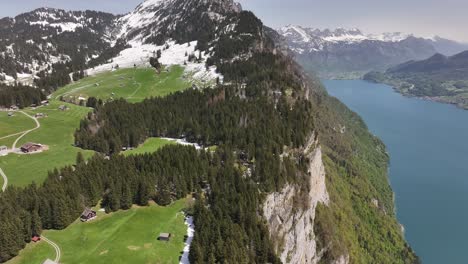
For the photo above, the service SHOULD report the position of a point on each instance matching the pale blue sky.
(446, 18)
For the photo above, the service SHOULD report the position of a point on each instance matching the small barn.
(10, 114)
(63, 108)
(87, 215)
(36, 239)
(31, 147)
(39, 115)
(164, 236)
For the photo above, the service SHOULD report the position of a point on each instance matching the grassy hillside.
(132, 84)
(149, 146)
(125, 235)
(14, 124)
(56, 131)
(58, 127)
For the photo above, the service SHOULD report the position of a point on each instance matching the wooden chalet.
(31, 147)
(164, 236)
(87, 215)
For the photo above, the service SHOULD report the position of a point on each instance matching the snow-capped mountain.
(49, 41)
(350, 52)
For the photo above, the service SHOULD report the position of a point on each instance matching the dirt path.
(12, 135)
(58, 252)
(38, 125)
(5, 180)
(136, 91)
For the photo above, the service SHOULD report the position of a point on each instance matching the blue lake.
(428, 146)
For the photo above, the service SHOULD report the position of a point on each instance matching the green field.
(131, 84)
(121, 237)
(149, 146)
(56, 131)
(14, 124)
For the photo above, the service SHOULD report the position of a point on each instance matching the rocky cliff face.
(292, 226)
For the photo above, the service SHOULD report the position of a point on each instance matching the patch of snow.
(42, 23)
(190, 234)
(66, 26)
(9, 78)
(289, 29)
(184, 142)
(139, 54)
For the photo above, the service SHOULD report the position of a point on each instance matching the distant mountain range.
(350, 53)
(441, 78)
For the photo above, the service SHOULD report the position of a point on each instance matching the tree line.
(20, 95)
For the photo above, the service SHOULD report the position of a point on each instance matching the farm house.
(31, 147)
(87, 215)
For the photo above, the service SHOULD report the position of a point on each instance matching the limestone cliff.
(292, 227)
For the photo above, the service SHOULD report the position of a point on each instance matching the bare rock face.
(292, 228)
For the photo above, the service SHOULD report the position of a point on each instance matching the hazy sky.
(446, 18)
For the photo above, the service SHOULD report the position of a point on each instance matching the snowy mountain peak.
(166, 16)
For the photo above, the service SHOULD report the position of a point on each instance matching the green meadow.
(149, 146)
(14, 124)
(111, 238)
(131, 84)
(56, 132)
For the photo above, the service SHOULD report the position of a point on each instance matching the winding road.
(38, 125)
(58, 252)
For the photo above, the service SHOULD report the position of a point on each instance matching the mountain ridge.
(440, 78)
(352, 53)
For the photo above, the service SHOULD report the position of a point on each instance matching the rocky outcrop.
(291, 226)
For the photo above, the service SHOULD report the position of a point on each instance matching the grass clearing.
(56, 131)
(149, 146)
(131, 84)
(14, 124)
(129, 236)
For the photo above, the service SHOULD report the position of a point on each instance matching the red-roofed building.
(36, 239)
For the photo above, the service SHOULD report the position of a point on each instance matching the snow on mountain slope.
(171, 54)
(314, 39)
